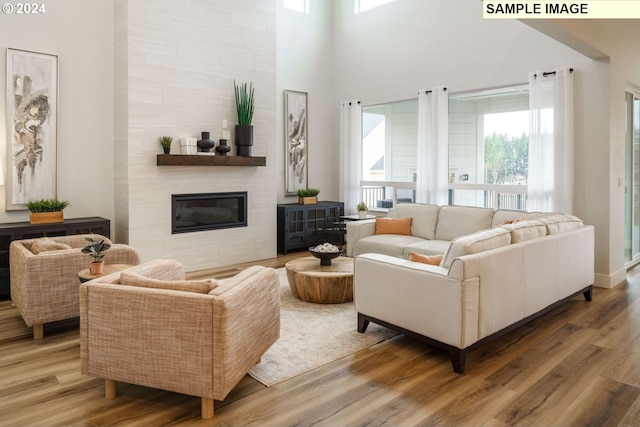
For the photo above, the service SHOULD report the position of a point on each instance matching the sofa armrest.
(246, 323)
(418, 297)
(357, 230)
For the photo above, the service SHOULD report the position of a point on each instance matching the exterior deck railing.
(386, 194)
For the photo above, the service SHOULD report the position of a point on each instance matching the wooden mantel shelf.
(204, 160)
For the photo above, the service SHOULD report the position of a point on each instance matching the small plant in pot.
(96, 250)
(45, 211)
(308, 196)
(165, 141)
(362, 209)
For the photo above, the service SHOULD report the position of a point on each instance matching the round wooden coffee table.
(321, 284)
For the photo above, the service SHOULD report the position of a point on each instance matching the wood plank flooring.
(578, 365)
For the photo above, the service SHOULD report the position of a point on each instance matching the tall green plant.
(244, 102)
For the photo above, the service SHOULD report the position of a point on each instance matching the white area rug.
(312, 335)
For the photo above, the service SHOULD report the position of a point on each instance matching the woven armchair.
(44, 284)
(149, 326)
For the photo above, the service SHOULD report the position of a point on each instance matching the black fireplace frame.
(177, 198)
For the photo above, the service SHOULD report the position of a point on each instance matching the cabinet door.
(295, 221)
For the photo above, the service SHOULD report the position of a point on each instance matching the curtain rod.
(551, 73)
(427, 92)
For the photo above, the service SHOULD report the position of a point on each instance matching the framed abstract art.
(296, 141)
(32, 144)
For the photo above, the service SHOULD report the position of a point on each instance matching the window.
(489, 146)
(297, 5)
(389, 153)
(363, 5)
(488, 150)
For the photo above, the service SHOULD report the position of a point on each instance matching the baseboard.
(610, 280)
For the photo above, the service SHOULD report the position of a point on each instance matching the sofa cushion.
(427, 247)
(505, 216)
(456, 221)
(559, 223)
(132, 278)
(525, 230)
(425, 259)
(389, 244)
(45, 245)
(476, 242)
(425, 217)
(400, 226)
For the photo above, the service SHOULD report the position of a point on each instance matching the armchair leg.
(207, 408)
(362, 323)
(110, 389)
(38, 331)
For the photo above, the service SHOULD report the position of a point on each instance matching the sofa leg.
(458, 359)
(206, 408)
(588, 294)
(363, 323)
(110, 389)
(38, 331)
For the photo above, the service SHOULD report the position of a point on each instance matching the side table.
(85, 274)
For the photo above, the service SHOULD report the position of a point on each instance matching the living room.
(131, 71)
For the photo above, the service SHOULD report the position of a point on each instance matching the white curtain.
(433, 147)
(350, 154)
(550, 180)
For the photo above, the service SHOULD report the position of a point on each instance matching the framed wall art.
(296, 141)
(32, 104)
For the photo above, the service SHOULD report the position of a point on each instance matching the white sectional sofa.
(432, 229)
(488, 283)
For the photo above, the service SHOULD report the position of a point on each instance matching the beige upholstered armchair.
(151, 327)
(44, 276)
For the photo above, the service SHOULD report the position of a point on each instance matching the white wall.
(390, 52)
(175, 67)
(305, 64)
(82, 37)
(618, 40)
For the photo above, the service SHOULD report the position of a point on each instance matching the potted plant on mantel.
(46, 211)
(244, 108)
(165, 141)
(308, 196)
(96, 249)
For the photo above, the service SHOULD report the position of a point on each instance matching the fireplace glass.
(208, 211)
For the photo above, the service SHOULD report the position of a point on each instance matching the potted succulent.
(46, 211)
(96, 249)
(165, 141)
(308, 196)
(244, 107)
(362, 209)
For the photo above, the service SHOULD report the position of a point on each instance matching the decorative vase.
(166, 149)
(362, 214)
(96, 267)
(244, 140)
(223, 148)
(205, 144)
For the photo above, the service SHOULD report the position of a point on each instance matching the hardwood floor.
(578, 365)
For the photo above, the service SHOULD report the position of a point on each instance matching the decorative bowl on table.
(325, 252)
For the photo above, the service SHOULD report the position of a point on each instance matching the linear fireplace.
(208, 211)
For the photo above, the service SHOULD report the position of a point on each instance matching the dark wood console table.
(11, 231)
(301, 226)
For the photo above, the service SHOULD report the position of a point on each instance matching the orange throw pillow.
(426, 259)
(393, 226)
